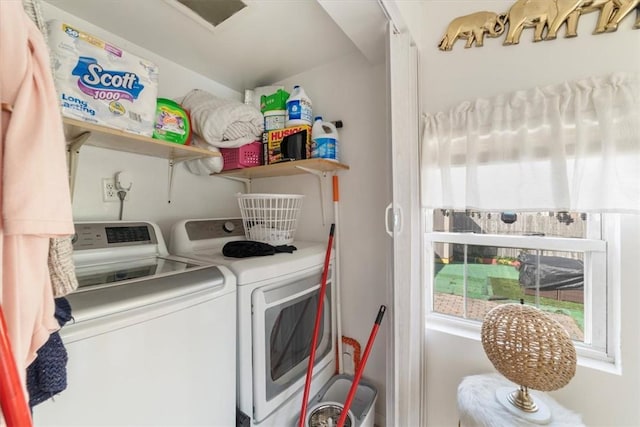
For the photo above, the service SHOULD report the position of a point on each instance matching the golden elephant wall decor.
(545, 16)
(473, 28)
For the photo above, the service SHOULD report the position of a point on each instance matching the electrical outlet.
(109, 192)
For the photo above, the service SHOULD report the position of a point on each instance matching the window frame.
(602, 265)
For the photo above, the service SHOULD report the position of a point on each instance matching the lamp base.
(542, 415)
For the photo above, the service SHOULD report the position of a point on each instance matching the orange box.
(272, 139)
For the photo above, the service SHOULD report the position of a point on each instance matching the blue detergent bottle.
(299, 111)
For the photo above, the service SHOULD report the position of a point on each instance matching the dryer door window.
(291, 335)
(289, 328)
(283, 321)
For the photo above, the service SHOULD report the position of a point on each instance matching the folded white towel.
(222, 122)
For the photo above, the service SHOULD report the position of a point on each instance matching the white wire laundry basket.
(270, 218)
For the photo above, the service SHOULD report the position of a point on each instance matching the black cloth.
(250, 248)
(550, 272)
(47, 374)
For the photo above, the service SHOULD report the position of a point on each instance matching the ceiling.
(265, 42)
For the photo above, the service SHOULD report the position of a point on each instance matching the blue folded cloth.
(47, 374)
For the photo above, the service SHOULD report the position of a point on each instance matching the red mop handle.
(12, 400)
(356, 379)
(316, 328)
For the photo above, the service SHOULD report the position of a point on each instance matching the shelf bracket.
(322, 182)
(245, 181)
(170, 185)
(73, 152)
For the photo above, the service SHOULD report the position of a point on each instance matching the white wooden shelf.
(79, 133)
(317, 167)
(116, 139)
(285, 169)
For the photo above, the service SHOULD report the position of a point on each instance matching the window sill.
(471, 330)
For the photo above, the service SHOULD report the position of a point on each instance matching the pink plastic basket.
(242, 157)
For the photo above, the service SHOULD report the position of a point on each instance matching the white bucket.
(326, 413)
(327, 404)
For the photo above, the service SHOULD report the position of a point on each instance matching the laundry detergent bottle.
(298, 108)
(324, 138)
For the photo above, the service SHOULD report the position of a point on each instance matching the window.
(556, 261)
(536, 152)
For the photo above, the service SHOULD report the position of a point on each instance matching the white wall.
(448, 78)
(353, 91)
(350, 90)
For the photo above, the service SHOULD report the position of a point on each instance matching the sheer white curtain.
(573, 146)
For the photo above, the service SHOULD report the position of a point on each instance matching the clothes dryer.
(277, 304)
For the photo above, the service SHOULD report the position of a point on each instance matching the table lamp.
(531, 349)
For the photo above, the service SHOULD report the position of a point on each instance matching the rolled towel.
(205, 165)
(221, 122)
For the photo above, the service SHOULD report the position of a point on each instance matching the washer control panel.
(214, 228)
(106, 235)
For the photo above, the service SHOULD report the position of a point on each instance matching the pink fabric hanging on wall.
(34, 195)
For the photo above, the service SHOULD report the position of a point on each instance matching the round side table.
(479, 407)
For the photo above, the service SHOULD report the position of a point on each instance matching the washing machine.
(152, 340)
(276, 306)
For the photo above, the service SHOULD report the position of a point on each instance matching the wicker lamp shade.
(528, 347)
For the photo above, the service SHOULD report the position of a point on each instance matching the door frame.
(405, 379)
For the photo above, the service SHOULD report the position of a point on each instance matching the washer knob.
(229, 227)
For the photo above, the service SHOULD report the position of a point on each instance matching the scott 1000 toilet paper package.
(100, 83)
